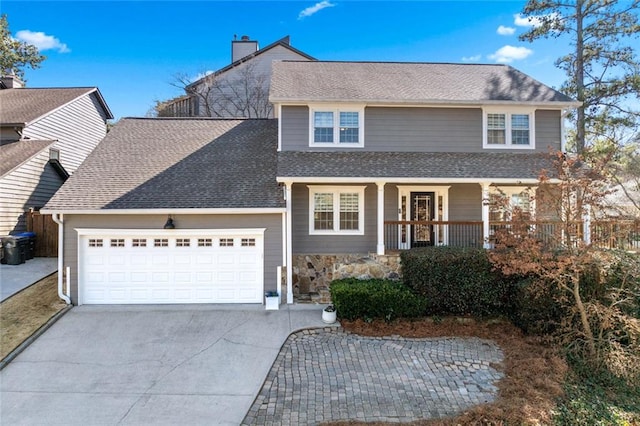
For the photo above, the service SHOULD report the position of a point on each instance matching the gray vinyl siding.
(404, 129)
(391, 202)
(423, 129)
(465, 202)
(28, 186)
(232, 80)
(273, 254)
(78, 127)
(303, 243)
(548, 130)
(294, 128)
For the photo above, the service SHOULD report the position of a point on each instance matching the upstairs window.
(337, 127)
(508, 130)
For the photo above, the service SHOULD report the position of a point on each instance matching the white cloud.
(200, 75)
(522, 21)
(42, 41)
(507, 54)
(502, 30)
(534, 21)
(474, 58)
(315, 8)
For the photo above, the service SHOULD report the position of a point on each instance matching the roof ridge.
(395, 62)
(195, 119)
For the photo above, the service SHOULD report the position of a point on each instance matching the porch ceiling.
(436, 165)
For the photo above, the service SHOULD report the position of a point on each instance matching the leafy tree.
(597, 288)
(602, 66)
(15, 55)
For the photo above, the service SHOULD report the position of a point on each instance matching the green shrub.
(536, 307)
(375, 299)
(456, 281)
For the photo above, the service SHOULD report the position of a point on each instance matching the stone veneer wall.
(312, 273)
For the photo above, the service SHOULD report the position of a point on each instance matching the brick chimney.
(243, 47)
(11, 81)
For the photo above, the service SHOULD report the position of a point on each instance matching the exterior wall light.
(169, 224)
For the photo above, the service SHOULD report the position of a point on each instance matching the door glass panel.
(422, 211)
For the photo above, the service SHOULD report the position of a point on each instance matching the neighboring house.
(238, 90)
(45, 134)
(202, 210)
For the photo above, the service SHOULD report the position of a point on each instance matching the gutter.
(58, 218)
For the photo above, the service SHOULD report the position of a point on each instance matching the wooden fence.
(46, 233)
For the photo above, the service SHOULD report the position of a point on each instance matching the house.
(363, 159)
(238, 90)
(45, 134)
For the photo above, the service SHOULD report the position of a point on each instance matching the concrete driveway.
(200, 364)
(14, 278)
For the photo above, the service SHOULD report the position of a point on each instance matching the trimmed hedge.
(536, 306)
(456, 281)
(375, 299)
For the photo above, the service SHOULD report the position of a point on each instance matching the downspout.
(57, 218)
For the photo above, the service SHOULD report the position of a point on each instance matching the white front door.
(141, 267)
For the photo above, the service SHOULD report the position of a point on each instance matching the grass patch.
(23, 313)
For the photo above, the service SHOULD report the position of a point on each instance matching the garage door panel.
(160, 260)
(182, 277)
(149, 269)
(139, 277)
(117, 277)
(139, 260)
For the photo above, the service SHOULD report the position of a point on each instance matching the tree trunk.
(579, 72)
(583, 317)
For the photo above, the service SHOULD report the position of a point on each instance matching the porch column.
(288, 232)
(485, 214)
(380, 246)
(586, 225)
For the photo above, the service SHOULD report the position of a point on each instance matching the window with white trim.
(336, 127)
(509, 201)
(336, 210)
(508, 129)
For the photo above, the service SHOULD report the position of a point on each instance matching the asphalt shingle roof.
(24, 105)
(406, 82)
(412, 165)
(177, 163)
(15, 153)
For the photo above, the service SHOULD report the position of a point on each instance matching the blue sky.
(131, 50)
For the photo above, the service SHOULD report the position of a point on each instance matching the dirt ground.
(23, 313)
(534, 373)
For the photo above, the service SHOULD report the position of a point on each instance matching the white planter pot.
(272, 303)
(329, 317)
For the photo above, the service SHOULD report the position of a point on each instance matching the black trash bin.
(14, 250)
(31, 243)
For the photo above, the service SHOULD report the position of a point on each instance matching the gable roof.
(25, 105)
(283, 42)
(174, 163)
(407, 83)
(16, 153)
(419, 165)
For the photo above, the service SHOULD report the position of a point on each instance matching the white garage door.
(213, 266)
